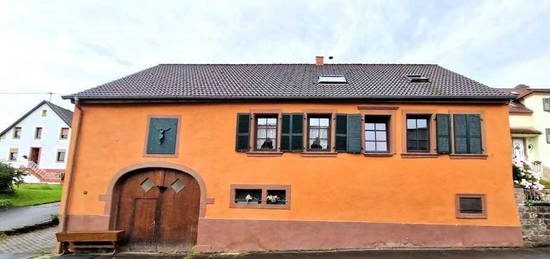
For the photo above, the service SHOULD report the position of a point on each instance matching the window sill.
(419, 155)
(379, 154)
(264, 153)
(261, 206)
(471, 216)
(468, 156)
(318, 154)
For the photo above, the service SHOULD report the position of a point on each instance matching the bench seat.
(74, 240)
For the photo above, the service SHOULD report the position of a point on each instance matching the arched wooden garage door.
(158, 209)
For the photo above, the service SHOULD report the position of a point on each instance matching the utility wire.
(49, 93)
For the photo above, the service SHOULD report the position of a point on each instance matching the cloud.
(68, 46)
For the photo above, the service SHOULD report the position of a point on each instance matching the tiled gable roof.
(64, 114)
(519, 92)
(290, 81)
(517, 107)
(522, 91)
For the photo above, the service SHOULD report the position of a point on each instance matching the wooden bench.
(75, 240)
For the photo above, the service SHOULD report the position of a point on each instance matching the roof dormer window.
(416, 78)
(332, 79)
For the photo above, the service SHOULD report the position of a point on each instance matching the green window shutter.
(243, 132)
(354, 133)
(460, 133)
(474, 134)
(341, 139)
(297, 129)
(285, 133)
(443, 128)
(546, 104)
(547, 135)
(292, 132)
(467, 129)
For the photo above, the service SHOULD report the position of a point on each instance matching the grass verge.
(31, 194)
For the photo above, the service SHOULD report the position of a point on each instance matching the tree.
(10, 177)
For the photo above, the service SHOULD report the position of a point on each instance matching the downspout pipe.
(68, 181)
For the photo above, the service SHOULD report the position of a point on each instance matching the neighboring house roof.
(518, 130)
(516, 107)
(521, 91)
(291, 81)
(64, 114)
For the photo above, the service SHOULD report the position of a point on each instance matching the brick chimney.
(521, 86)
(319, 60)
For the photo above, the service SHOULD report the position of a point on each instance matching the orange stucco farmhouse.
(240, 157)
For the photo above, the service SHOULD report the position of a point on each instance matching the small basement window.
(252, 196)
(416, 78)
(332, 79)
(248, 196)
(471, 206)
(276, 197)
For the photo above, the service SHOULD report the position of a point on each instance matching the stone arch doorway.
(158, 208)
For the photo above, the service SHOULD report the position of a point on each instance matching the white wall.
(49, 143)
(521, 121)
(541, 122)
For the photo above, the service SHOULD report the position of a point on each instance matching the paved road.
(521, 253)
(27, 244)
(18, 217)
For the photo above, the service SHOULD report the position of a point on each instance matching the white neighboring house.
(530, 126)
(38, 141)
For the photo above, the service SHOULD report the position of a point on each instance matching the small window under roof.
(416, 78)
(332, 79)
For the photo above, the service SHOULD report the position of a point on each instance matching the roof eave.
(268, 98)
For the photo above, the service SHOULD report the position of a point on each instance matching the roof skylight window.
(416, 78)
(332, 79)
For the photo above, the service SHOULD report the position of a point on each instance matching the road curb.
(26, 229)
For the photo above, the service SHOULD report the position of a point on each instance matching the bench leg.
(115, 250)
(64, 248)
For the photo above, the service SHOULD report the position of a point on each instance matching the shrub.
(5, 203)
(10, 177)
(54, 218)
(528, 179)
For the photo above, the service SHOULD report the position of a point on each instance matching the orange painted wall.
(348, 187)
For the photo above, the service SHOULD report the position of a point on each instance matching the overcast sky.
(68, 46)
